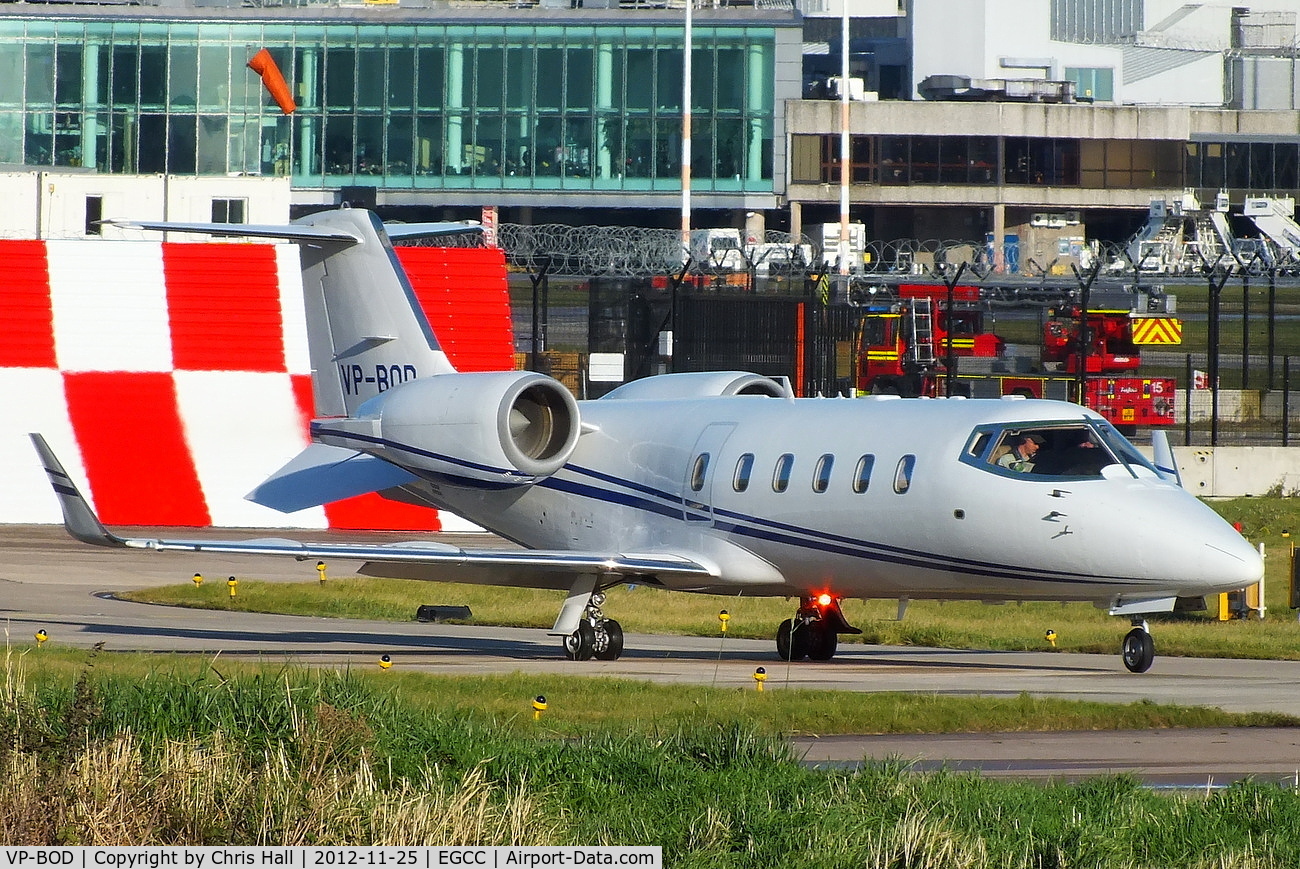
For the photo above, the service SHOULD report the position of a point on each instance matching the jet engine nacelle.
(500, 427)
(702, 384)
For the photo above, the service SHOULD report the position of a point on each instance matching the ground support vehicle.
(906, 343)
(1128, 402)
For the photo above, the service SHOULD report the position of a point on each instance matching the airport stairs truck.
(1158, 246)
(905, 345)
(1181, 238)
(1275, 218)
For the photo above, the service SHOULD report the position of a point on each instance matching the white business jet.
(720, 482)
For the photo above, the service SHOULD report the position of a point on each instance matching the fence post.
(541, 300)
(1216, 277)
(1085, 336)
(1272, 320)
(950, 357)
(1187, 404)
(1245, 331)
(1286, 401)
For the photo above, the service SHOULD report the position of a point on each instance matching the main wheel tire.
(822, 643)
(613, 646)
(581, 644)
(791, 641)
(1138, 651)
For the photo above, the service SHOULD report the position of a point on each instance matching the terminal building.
(477, 104)
(1048, 122)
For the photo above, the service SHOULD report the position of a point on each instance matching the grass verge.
(92, 755)
(581, 705)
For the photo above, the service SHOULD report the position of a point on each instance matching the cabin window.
(744, 466)
(862, 474)
(822, 474)
(903, 475)
(698, 471)
(781, 476)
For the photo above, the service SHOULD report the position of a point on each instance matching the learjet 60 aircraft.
(721, 482)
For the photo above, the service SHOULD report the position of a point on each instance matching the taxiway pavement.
(50, 582)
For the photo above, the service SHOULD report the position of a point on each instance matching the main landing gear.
(596, 637)
(814, 631)
(1138, 649)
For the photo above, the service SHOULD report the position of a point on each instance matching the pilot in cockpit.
(1021, 456)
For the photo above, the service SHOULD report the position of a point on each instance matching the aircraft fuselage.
(782, 506)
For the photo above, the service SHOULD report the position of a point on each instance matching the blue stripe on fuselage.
(372, 441)
(808, 538)
(639, 496)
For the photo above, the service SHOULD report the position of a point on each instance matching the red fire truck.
(902, 346)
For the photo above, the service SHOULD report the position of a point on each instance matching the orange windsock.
(264, 65)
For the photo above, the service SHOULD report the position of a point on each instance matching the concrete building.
(63, 204)
(1045, 123)
(428, 105)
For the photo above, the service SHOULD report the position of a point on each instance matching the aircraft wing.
(530, 568)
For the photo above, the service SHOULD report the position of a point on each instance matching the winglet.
(78, 517)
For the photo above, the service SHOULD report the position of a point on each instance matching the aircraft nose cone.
(1230, 561)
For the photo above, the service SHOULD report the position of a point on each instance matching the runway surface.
(50, 582)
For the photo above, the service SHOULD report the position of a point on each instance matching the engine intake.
(507, 427)
(540, 420)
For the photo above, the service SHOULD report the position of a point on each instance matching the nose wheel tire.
(1138, 651)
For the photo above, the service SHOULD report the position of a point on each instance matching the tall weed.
(313, 757)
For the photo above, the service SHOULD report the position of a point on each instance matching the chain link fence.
(1234, 370)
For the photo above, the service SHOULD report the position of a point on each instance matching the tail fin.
(366, 331)
(365, 327)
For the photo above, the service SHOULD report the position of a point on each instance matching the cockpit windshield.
(1081, 448)
(1121, 447)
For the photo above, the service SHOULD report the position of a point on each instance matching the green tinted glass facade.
(430, 105)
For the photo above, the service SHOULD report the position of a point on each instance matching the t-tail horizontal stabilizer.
(321, 474)
(288, 232)
(366, 329)
(298, 231)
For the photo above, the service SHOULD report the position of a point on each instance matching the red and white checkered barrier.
(173, 378)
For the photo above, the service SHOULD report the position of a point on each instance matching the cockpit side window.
(1077, 449)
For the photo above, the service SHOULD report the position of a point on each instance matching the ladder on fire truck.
(922, 344)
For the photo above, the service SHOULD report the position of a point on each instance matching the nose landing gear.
(814, 631)
(1138, 649)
